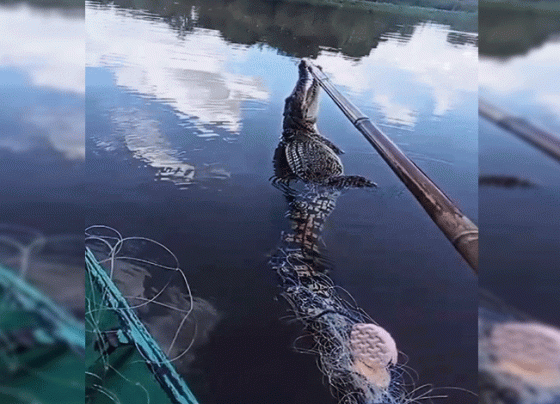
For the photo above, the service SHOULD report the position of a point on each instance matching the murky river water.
(42, 125)
(184, 108)
(42, 111)
(520, 239)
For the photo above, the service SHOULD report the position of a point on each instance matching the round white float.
(374, 351)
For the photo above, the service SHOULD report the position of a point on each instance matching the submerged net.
(41, 316)
(358, 357)
(143, 324)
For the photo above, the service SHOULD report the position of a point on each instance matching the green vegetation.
(302, 29)
(535, 6)
(71, 8)
(36, 364)
(47, 3)
(447, 5)
(114, 373)
(507, 28)
(470, 6)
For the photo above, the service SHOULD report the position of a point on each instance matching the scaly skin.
(302, 152)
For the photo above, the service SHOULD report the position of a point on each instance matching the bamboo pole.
(541, 139)
(460, 231)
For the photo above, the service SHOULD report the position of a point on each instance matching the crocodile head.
(302, 106)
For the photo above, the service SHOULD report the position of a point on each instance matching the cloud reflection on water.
(46, 49)
(144, 139)
(447, 71)
(190, 73)
(530, 79)
(48, 45)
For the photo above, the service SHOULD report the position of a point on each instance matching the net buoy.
(374, 351)
(530, 351)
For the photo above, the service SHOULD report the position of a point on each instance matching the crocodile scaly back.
(311, 159)
(303, 153)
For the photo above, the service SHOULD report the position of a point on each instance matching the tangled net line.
(38, 259)
(518, 356)
(129, 262)
(358, 357)
(330, 321)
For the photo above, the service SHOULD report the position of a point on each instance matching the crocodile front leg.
(282, 171)
(350, 181)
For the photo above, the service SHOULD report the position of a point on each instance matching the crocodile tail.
(350, 181)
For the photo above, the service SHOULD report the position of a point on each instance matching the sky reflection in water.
(526, 84)
(42, 145)
(175, 98)
(45, 78)
(42, 151)
(520, 242)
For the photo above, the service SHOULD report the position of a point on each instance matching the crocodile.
(332, 325)
(505, 181)
(303, 153)
(338, 329)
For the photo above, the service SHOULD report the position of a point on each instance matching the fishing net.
(357, 356)
(143, 323)
(518, 356)
(41, 316)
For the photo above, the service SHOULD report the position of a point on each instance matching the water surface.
(42, 152)
(520, 239)
(184, 111)
(42, 110)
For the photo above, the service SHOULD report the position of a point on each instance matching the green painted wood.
(143, 349)
(49, 374)
(41, 347)
(24, 297)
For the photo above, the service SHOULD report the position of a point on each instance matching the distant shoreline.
(461, 20)
(452, 6)
(410, 7)
(70, 8)
(536, 6)
(461, 15)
